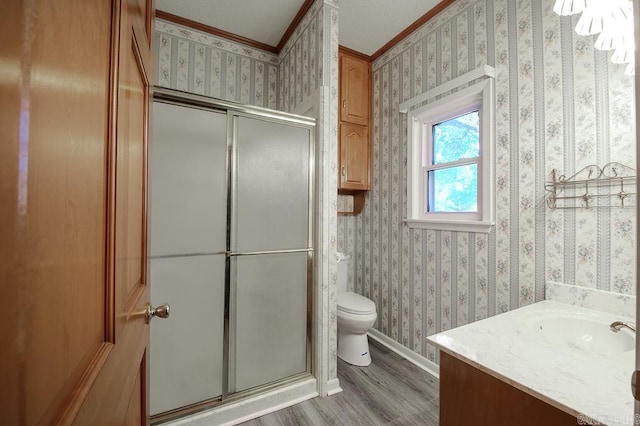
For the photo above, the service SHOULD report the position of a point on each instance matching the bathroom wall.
(303, 77)
(302, 62)
(308, 74)
(559, 104)
(196, 62)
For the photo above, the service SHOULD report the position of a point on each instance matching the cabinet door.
(354, 157)
(354, 90)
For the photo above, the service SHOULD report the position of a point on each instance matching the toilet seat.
(353, 303)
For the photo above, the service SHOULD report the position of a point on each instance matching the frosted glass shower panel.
(188, 190)
(188, 226)
(186, 350)
(271, 318)
(272, 192)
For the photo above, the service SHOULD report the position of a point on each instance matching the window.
(450, 170)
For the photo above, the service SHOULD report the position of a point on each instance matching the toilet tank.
(343, 271)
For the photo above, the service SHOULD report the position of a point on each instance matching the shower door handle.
(161, 311)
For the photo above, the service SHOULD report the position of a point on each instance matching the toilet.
(356, 315)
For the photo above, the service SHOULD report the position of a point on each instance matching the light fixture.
(612, 20)
(568, 7)
(631, 69)
(610, 38)
(618, 33)
(594, 18)
(622, 55)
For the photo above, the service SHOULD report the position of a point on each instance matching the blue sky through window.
(455, 189)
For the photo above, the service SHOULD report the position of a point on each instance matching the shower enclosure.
(231, 250)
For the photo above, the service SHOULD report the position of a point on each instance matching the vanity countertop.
(586, 383)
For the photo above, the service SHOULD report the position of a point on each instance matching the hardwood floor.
(391, 391)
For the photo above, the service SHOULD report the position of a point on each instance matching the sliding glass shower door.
(231, 252)
(188, 231)
(270, 247)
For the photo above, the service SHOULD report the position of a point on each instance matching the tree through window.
(452, 173)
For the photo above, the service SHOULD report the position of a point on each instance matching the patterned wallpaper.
(306, 70)
(308, 64)
(559, 104)
(195, 62)
(301, 60)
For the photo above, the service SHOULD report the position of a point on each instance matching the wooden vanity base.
(469, 396)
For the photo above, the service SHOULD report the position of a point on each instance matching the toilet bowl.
(356, 315)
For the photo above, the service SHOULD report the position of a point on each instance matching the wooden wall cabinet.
(354, 89)
(354, 147)
(354, 157)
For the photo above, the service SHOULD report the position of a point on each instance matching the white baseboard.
(333, 387)
(427, 365)
(254, 407)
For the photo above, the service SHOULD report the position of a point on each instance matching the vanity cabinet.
(469, 396)
(354, 152)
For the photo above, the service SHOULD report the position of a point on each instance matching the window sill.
(451, 225)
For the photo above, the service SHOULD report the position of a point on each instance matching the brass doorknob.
(161, 311)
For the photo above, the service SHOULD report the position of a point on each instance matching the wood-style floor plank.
(391, 391)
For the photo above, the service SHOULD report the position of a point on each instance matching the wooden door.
(354, 157)
(74, 76)
(354, 90)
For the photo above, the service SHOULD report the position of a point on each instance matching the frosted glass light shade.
(621, 39)
(616, 35)
(591, 22)
(631, 69)
(611, 19)
(618, 26)
(623, 55)
(600, 16)
(607, 40)
(568, 7)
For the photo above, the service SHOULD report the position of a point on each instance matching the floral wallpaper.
(306, 69)
(308, 64)
(301, 59)
(196, 62)
(560, 104)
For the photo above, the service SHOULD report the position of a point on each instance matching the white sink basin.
(584, 334)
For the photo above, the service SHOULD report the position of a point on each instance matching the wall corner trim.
(481, 71)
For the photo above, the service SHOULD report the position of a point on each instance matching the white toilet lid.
(355, 304)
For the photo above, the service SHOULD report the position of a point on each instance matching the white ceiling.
(260, 20)
(365, 25)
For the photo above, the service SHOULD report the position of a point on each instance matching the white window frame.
(478, 96)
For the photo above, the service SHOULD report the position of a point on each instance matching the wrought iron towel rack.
(592, 186)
